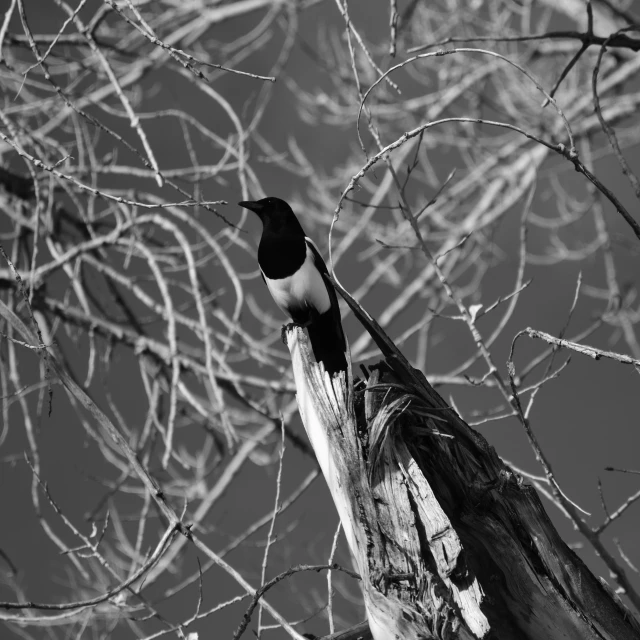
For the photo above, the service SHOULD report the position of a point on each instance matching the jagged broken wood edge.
(569, 598)
(329, 419)
(590, 609)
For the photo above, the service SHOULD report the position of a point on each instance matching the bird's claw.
(287, 327)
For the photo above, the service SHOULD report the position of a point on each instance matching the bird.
(297, 278)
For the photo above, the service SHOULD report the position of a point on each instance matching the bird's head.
(274, 213)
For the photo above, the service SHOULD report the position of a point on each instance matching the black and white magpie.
(296, 275)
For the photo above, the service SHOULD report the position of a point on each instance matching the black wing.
(335, 308)
(322, 268)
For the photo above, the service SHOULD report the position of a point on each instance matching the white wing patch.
(305, 288)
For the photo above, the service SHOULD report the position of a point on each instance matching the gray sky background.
(585, 421)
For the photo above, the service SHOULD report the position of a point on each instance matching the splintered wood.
(449, 542)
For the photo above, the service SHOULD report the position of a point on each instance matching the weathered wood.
(450, 543)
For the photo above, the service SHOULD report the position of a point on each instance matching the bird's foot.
(287, 327)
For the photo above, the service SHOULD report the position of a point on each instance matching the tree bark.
(449, 541)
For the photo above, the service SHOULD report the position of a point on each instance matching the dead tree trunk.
(449, 541)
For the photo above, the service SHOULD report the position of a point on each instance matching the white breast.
(305, 288)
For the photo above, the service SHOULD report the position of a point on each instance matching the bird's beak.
(256, 207)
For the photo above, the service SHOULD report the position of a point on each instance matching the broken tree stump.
(449, 541)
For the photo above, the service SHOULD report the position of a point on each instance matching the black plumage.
(296, 276)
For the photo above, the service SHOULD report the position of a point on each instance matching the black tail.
(328, 341)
